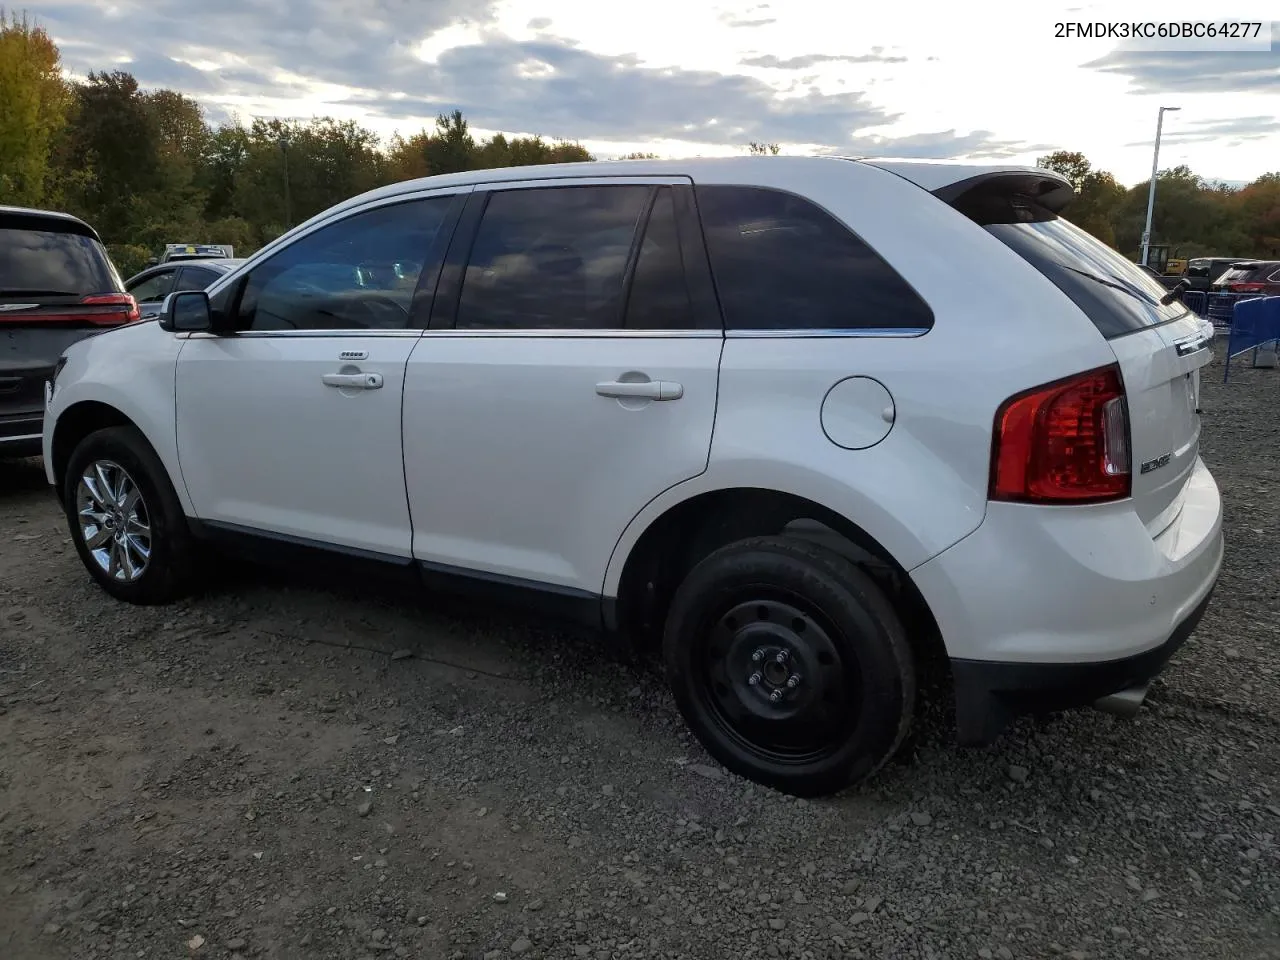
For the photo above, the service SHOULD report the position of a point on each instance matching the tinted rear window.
(783, 263)
(1116, 294)
(53, 261)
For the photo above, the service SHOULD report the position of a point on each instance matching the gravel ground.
(263, 772)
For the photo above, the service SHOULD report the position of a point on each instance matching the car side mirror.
(186, 312)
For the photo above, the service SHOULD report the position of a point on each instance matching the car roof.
(929, 174)
(30, 218)
(220, 264)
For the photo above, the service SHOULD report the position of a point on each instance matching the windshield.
(1115, 293)
(52, 260)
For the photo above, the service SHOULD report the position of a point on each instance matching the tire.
(844, 693)
(167, 571)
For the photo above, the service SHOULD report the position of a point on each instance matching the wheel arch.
(79, 420)
(662, 545)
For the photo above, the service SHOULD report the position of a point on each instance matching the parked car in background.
(746, 407)
(196, 251)
(1250, 276)
(57, 286)
(151, 286)
(1203, 271)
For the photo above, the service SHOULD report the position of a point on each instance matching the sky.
(983, 81)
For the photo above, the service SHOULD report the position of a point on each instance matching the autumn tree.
(34, 102)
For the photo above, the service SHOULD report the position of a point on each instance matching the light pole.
(1151, 193)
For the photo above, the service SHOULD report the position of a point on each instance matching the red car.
(1250, 276)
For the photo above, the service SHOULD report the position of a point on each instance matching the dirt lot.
(254, 774)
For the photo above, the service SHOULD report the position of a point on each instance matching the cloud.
(1230, 131)
(539, 23)
(356, 57)
(346, 42)
(805, 61)
(940, 145)
(1185, 71)
(751, 17)
(565, 90)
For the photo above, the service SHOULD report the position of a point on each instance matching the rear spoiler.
(1048, 189)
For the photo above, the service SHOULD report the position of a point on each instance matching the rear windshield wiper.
(32, 292)
(1110, 283)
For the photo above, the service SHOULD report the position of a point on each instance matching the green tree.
(34, 103)
(451, 149)
(1098, 195)
(1070, 163)
(1257, 209)
(763, 149)
(293, 170)
(115, 134)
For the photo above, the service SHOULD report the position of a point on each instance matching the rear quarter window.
(54, 261)
(782, 263)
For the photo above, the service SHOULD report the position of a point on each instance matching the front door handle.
(642, 390)
(356, 381)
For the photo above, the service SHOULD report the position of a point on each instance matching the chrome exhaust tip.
(1123, 703)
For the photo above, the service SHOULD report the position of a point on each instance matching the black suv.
(57, 286)
(1202, 272)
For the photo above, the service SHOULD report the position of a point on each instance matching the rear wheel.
(790, 665)
(125, 518)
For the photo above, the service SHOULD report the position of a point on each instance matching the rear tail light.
(125, 301)
(1064, 442)
(126, 311)
(1246, 287)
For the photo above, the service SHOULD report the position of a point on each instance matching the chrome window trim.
(577, 333)
(310, 334)
(818, 333)
(574, 333)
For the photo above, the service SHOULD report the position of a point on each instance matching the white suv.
(814, 421)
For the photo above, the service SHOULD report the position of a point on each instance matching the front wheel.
(790, 665)
(125, 518)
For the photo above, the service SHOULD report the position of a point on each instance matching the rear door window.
(53, 262)
(783, 263)
(1116, 294)
(552, 258)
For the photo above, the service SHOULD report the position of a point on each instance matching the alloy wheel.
(115, 523)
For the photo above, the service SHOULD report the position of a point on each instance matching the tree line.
(145, 167)
(1192, 216)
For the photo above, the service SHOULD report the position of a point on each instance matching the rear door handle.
(643, 390)
(357, 381)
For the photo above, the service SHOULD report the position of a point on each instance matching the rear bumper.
(20, 434)
(990, 693)
(1053, 607)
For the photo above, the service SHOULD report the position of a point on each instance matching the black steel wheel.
(790, 665)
